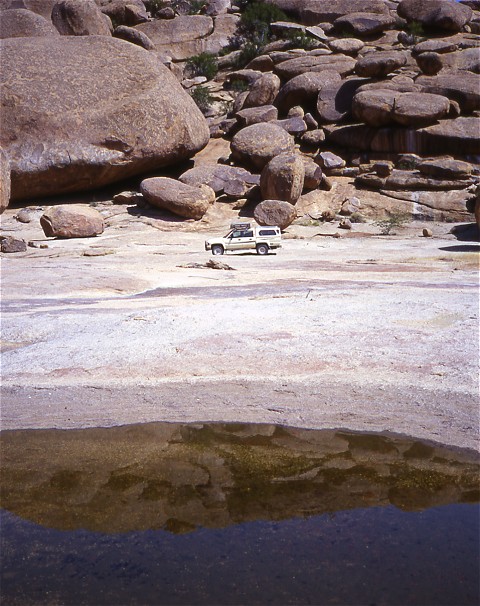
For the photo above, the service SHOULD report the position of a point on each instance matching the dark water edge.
(236, 514)
(365, 556)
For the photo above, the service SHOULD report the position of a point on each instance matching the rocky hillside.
(307, 109)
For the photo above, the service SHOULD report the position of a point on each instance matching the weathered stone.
(10, 244)
(374, 107)
(342, 64)
(293, 126)
(379, 64)
(414, 180)
(435, 45)
(4, 180)
(347, 46)
(79, 18)
(60, 133)
(283, 177)
(187, 201)
(445, 168)
(382, 107)
(166, 13)
(21, 23)
(383, 168)
(458, 137)
(262, 63)
(329, 161)
(259, 143)
(124, 12)
(439, 15)
(129, 197)
(40, 7)
(462, 87)
(313, 173)
(71, 221)
(350, 205)
(310, 121)
(182, 37)
(255, 115)
(334, 101)
(364, 24)
(263, 91)
(427, 233)
(231, 180)
(417, 109)
(313, 138)
(463, 60)
(314, 13)
(345, 224)
(296, 112)
(275, 212)
(218, 7)
(303, 89)
(130, 34)
(429, 63)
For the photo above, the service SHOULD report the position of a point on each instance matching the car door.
(242, 240)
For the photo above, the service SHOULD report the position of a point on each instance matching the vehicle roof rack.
(240, 225)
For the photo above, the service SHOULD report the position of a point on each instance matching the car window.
(267, 232)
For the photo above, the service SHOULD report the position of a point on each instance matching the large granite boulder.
(222, 178)
(379, 64)
(457, 137)
(263, 91)
(462, 87)
(40, 7)
(364, 24)
(254, 115)
(179, 38)
(79, 18)
(342, 64)
(334, 100)
(22, 23)
(130, 34)
(4, 180)
(124, 12)
(445, 168)
(314, 12)
(437, 15)
(257, 144)
(283, 177)
(382, 107)
(303, 89)
(114, 113)
(275, 212)
(188, 201)
(72, 221)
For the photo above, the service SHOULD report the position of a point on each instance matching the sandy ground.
(360, 332)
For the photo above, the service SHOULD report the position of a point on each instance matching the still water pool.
(236, 514)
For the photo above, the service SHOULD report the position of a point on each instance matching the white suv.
(242, 236)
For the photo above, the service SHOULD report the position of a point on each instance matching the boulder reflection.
(180, 477)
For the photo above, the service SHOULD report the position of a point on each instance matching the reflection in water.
(208, 499)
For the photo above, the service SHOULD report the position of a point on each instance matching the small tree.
(395, 220)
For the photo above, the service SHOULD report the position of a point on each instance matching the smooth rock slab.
(275, 212)
(462, 87)
(231, 180)
(259, 143)
(342, 64)
(71, 221)
(440, 15)
(187, 201)
(114, 113)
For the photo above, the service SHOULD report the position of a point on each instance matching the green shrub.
(249, 51)
(196, 7)
(300, 39)
(257, 17)
(395, 220)
(204, 64)
(202, 97)
(239, 86)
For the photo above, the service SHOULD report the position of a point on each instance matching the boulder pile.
(322, 102)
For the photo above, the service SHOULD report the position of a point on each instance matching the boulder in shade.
(259, 143)
(283, 178)
(72, 221)
(303, 89)
(222, 178)
(275, 212)
(364, 24)
(379, 64)
(190, 202)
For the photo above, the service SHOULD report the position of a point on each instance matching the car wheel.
(217, 250)
(262, 249)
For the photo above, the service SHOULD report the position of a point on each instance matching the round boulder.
(263, 91)
(441, 15)
(259, 143)
(130, 34)
(275, 212)
(115, 112)
(71, 221)
(419, 109)
(283, 178)
(187, 201)
(303, 89)
(79, 18)
(21, 23)
(379, 64)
